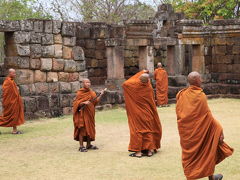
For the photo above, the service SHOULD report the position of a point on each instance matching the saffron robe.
(161, 77)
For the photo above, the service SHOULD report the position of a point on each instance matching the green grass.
(47, 150)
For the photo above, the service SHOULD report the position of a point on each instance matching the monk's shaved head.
(144, 78)
(194, 78)
(159, 65)
(11, 73)
(86, 83)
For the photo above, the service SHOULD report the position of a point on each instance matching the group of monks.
(201, 136)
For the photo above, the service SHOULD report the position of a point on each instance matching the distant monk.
(84, 115)
(161, 77)
(143, 120)
(201, 136)
(13, 111)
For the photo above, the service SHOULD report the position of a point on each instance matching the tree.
(109, 11)
(208, 9)
(21, 9)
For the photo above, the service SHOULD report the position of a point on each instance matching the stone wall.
(52, 57)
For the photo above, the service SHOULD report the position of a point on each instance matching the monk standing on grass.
(143, 120)
(201, 136)
(84, 115)
(13, 111)
(161, 77)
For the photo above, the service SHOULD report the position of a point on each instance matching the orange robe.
(13, 111)
(199, 134)
(161, 77)
(143, 120)
(84, 121)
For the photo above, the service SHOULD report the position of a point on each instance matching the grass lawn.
(47, 150)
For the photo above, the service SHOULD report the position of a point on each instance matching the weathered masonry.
(51, 57)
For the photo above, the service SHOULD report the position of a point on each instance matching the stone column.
(146, 58)
(115, 63)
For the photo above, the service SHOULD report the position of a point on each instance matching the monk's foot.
(83, 149)
(17, 132)
(218, 177)
(136, 154)
(150, 153)
(92, 147)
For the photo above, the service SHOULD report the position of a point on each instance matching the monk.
(13, 111)
(144, 123)
(201, 136)
(84, 115)
(161, 77)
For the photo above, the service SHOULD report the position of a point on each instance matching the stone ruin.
(52, 57)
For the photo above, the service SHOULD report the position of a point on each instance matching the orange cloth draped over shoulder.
(144, 123)
(84, 120)
(199, 134)
(161, 77)
(13, 111)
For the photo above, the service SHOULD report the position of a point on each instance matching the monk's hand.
(221, 138)
(103, 91)
(86, 102)
(146, 71)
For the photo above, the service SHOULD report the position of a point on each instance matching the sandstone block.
(52, 77)
(63, 76)
(36, 38)
(27, 89)
(23, 50)
(58, 50)
(17, 62)
(75, 86)
(40, 76)
(30, 104)
(78, 53)
(54, 100)
(24, 76)
(69, 41)
(65, 87)
(90, 44)
(67, 52)
(100, 45)
(36, 50)
(41, 88)
(48, 51)
(53, 87)
(65, 100)
(73, 77)
(46, 64)
(26, 25)
(58, 64)
(236, 50)
(47, 39)
(58, 39)
(100, 54)
(21, 37)
(83, 32)
(9, 26)
(42, 103)
(68, 29)
(70, 66)
(38, 26)
(57, 27)
(35, 63)
(219, 50)
(236, 68)
(48, 26)
(89, 53)
(67, 110)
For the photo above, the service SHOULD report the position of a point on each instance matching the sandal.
(218, 177)
(83, 149)
(134, 155)
(17, 132)
(92, 147)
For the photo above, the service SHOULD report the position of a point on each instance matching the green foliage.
(20, 9)
(208, 9)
